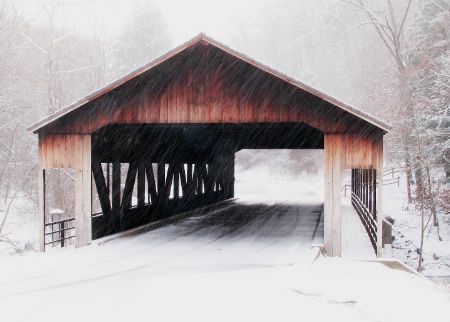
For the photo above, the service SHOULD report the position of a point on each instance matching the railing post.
(61, 232)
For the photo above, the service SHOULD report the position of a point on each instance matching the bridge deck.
(355, 241)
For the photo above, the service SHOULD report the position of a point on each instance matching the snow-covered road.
(237, 238)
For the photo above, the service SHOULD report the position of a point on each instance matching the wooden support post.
(169, 179)
(116, 195)
(334, 151)
(161, 181)
(152, 194)
(102, 188)
(83, 191)
(184, 185)
(230, 177)
(141, 185)
(196, 182)
(176, 180)
(116, 187)
(190, 182)
(129, 186)
(41, 183)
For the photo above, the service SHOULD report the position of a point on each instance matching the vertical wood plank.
(337, 174)
(379, 206)
(172, 103)
(49, 152)
(217, 95)
(87, 190)
(43, 150)
(56, 149)
(41, 187)
(163, 108)
(349, 151)
(209, 92)
(153, 104)
(328, 194)
(189, 96)
(83, 191)
(182, 99)
(69, 151)
(334, 150)
(78, 191)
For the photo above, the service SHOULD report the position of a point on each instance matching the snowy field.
(247, 262)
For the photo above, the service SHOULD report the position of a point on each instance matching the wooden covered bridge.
(174, 126)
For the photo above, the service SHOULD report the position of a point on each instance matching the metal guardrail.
(61, 230)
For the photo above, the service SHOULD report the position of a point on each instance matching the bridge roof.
(241, 56)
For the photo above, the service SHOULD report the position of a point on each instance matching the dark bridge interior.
(197, 142)
(172, 168)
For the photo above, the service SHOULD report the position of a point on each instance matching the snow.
(406, 230)
(21, 227)
(207, 269)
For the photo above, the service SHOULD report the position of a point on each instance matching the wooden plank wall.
(203, 94)
(68, 151)
(347, 151)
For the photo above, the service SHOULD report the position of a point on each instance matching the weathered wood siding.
(217, 88)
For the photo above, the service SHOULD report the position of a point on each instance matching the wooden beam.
(129, 186)
(161, 181)
(141, 185)
(169, 179)
(102, 188)
(176, 180)
(152, 194)
(184, 186)
(116, 178)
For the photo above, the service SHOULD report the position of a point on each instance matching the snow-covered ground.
(406, 230)
(247, 262)
(21, 232)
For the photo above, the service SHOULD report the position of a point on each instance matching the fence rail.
(61, 230)
(367, 219)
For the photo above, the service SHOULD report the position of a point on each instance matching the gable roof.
(202, 37)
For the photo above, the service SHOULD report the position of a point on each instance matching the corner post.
(334, 152)
(83, 191)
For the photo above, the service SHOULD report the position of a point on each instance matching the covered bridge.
(175, 125)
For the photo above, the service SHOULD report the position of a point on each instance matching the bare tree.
(389, 20)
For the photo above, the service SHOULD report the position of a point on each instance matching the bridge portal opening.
(280, 175)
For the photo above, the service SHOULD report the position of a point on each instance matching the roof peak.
(196, 39)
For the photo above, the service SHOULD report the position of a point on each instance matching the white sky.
(185, 19)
